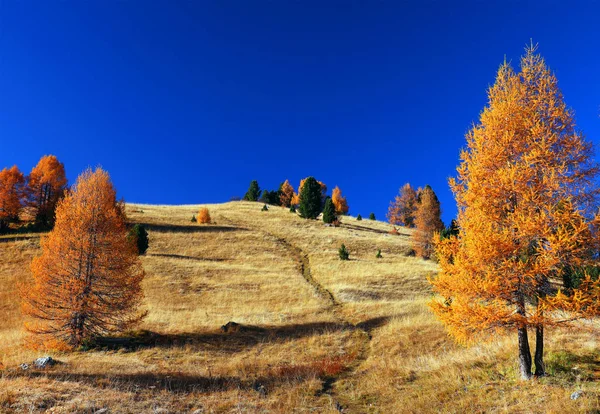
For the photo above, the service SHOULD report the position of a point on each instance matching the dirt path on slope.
(303, 263)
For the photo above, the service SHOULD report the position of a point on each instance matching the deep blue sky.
(187, 101)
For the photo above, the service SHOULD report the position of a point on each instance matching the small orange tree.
(428, 223)
(287, 194)
(402, 210)
(11, 194)
(525, 192)
(47, 182)
(87, 281)
(203, 216)
(339, 202)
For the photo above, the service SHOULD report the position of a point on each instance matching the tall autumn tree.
(286, 194)
(11, 194)
(404, 207)
(46, 185)
(428, 222)
(339, 201)
(87, 281)
(525, 191)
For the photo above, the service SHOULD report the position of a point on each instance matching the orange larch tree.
(203, 216)
(402, 210)
(525, 192)
(339, 201)
(11, 194)
(287, 194)
(428, 223)
(87, 281)
(46, 185)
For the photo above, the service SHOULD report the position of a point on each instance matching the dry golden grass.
(323, 334)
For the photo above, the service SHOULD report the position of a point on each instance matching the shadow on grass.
(175, 382)
(569, 366)
(182, 257)
(9, 239)
(361, 228)
(244, 338)
(189, 228)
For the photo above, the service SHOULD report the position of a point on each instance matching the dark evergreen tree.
(265, 208)
(139, 236)
(253, 192)
(343, 253)
(292, 209)
(378, 255)
(372, 216)
(310, 199)
(358, 218)
(264, 197)
(450, 231)
(329, 211)
(194, 219)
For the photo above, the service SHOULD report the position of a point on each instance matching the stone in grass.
(576, 394)
(44, 362)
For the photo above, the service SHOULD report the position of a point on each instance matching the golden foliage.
(428, 223)
(47, 182)
(287, 194)
(87, 281)
(203, 216)
(523, 191)
(402, 210)
(339, 202)
(11, 193)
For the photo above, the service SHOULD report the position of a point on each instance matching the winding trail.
(303, 263)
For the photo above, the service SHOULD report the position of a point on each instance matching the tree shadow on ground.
(182, 257)
(244, 337)
(361, 228)
(189, 228)
(174, 382)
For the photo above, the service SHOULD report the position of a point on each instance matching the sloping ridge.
(303, 262)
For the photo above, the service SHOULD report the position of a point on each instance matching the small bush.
(372, 216)
(139, 236)
(203, 216)
(358, 218)
(292, 209)
(378, 255)
(194, 220)
(264, 208)
(343, 253)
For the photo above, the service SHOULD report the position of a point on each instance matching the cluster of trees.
(33, 197)
(527, 191)
(310, 200)
(87, 280)
(419, 209)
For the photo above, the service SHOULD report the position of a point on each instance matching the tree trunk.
(524, 354)
(540, 368)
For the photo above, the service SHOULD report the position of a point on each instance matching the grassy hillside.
(317, 334)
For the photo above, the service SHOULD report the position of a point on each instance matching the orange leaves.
(203, 216)
(339, 202)
(522, 190)
(47, 182)
(402, 210)
(427, 222)
(287, 194)
(87, 280)
(11, 193)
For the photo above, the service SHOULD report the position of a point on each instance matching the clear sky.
(187, 101)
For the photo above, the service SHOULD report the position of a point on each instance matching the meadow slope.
(318, 334)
